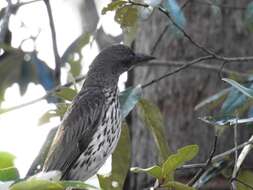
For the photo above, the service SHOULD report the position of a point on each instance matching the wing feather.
(76, 130)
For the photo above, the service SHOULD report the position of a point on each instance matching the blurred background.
(28, 66)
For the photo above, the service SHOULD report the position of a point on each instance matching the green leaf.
(66, 93)
(246, 176)
(155, 171)
(45, 118)
(8, 174)
(249, 16)
(234, 101)
(213, 171)
(113, 6)
(177, 186)
(120, 164)
(176, 160)
(128, 99)
(37, 185)
(246, 91)
(213, 98)
(126, 16)
(77, 184)
(153, 120)
(58, 112)
(6, 160)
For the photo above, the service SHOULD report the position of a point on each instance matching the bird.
(91, 127)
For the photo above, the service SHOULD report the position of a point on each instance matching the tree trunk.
(177, 95)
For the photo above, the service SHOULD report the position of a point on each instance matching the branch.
(208, 163)
(58, 61)
(239, 162)
(186, 65)
(204, 49)
(235, 171)
(5, 21)
(228, 152)
(208, 67)
(49, 93)
(159, 39)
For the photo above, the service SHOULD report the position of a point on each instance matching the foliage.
(152, 117)
(75, 50)
(23, 68)
(8, 171)
(19, 66)
(164, 173)
(126, 15)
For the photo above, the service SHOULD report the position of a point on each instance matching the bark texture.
(176, 96)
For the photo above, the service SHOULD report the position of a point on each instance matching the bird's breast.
(103, 142)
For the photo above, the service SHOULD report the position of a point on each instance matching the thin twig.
(239, 162)
(208, 67)
(219, 156)
(208, 163)
(49, 93)
(228, 152)
(192, 166)
(165, 30)
(186, 65)
(159, 39)
(204, 49)
(58, 61)
(234, 174)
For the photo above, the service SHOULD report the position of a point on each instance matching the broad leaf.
(246, 91)
(153, 120)
(246, 176)
(213, 98)
(177, 186)
(22, 68)
(37, 185)
(155, 171)
(77, 185)
(249, 16)
(126, 16)
(58, 112)
(9, 174)
(214, 170)
(174, 161)
(66, 93)
(113, 6)
(120, 164)
(128, 99)
(175, 12)
(234, 101)
(45, 118)
(6, 160)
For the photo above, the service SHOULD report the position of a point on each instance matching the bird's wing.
(78, 126)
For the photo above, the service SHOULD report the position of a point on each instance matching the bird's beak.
(140, 58)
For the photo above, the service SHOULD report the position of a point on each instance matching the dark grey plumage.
(90, 128)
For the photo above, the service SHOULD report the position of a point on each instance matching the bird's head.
(117, 59)
(111, 62)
